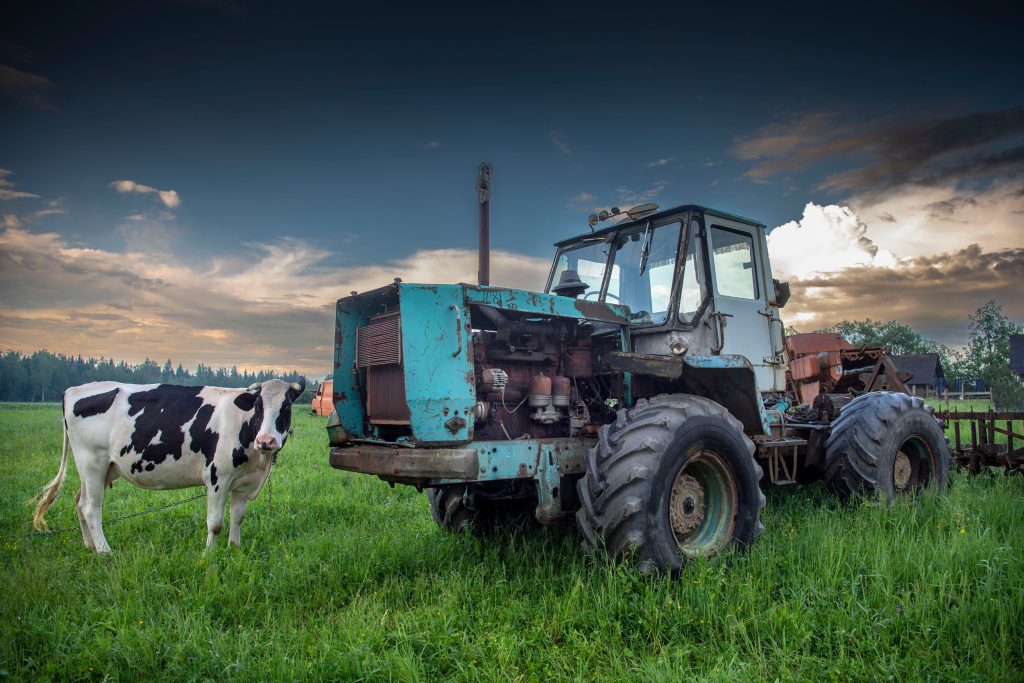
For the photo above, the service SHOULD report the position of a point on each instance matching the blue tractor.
(644, 391)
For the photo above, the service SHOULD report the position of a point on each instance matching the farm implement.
(649, 391)
(976, 439)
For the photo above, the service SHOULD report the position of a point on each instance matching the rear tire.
(888, 443)
(672, 479)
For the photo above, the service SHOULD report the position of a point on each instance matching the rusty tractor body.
(649, 391)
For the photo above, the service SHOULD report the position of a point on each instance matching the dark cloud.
(945, 209)
(932, 294)
(922, 152)
(887, 217)
(28, 89)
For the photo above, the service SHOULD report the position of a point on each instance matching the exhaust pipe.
(483, 195)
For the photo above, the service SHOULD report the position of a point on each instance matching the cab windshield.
(589, 263)
(643, 264)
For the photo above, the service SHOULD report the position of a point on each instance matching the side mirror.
(782, 292)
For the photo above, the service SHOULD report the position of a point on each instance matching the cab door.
(742, 317)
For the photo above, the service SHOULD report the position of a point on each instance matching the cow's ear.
(247, 400)
(296, 389)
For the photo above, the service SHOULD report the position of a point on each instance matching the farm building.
(926, 376)
(1017, 355)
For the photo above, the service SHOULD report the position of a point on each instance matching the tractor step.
(783, 457)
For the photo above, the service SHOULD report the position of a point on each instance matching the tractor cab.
(697, 283)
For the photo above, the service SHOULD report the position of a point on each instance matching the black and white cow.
(164, 436)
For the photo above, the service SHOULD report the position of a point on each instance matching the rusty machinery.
(648, 391)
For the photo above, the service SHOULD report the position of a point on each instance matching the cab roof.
(654, 216)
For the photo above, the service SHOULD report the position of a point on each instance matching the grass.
(344, 578)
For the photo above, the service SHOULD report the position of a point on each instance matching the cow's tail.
(48, 494)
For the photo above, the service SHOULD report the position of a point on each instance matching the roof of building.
(1017, 353)
(924, 368)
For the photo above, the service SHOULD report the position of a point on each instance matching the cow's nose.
(266, 443)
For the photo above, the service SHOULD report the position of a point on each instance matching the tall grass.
(345, 578)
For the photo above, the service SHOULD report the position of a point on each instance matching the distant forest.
(43, 376)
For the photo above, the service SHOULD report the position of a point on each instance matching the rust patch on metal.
(595, 310)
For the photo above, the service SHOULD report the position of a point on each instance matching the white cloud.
(825, 239)
(433, 144)
(168, 198)
(660, 162)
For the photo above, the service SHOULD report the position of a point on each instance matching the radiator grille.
(380, 341)
(379, 350)
(385, 395)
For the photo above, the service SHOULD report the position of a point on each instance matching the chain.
(52, 532)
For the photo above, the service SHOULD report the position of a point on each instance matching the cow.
(165, 436)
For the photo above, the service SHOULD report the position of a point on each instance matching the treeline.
(43, 376)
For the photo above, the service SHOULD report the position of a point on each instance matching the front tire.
(481, 508)
(888, 443)
(672, 479)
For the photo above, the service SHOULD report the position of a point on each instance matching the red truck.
(323, 401)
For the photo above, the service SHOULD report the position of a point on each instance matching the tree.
(988, 355)
(897, 338)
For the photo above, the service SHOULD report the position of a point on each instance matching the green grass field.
(344, 578)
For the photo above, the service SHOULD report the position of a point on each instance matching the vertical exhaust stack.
(483, 195)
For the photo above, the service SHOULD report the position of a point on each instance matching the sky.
(202, 180)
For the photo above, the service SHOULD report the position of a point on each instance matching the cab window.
(588, 261)
(733, 256)
(692, 291)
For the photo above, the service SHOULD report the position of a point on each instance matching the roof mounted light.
(634, 213)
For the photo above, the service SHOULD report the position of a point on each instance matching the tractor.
(650, 391)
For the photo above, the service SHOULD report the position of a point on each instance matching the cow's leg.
(238, 503)
(91, 506)
(86, 536)
(215, 501)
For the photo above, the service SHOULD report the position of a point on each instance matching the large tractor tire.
(674, 478)
(888, 443)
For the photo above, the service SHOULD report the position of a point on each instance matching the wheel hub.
(901, 470)
(686, 506)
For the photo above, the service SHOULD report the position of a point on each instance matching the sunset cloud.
(270, 306)
(840, 267)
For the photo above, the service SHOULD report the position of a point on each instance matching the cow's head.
(271, 402)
